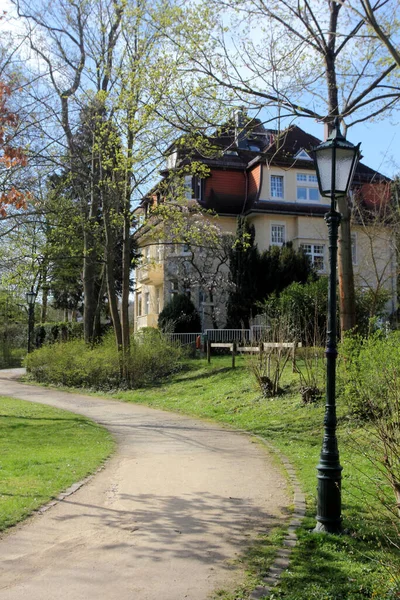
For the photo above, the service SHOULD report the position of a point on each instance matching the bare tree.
(313, 60)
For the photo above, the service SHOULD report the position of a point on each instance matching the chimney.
(240, 129)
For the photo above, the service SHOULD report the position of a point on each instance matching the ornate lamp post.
(30, 300)
(335, 161)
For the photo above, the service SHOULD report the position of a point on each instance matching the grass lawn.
(348, 567)
(43, 451)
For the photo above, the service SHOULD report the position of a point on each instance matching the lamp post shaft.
(30, 326)
(329, 469)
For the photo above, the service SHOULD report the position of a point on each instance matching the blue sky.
(379, 142)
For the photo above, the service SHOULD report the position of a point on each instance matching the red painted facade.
(375, 194)
(226, 183)
(254, 182)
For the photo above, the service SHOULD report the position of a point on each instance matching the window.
(315, 253)
(276, 186)
(147, 303)
(171, 160)
(307, 187)
(174, 288)
(188, 187)
(277, 235)
(193, 187)
(139, 304)
(198, 188)
(302, 154)
(159, 252)
(354, 248)
(158, 300)
(146, 254)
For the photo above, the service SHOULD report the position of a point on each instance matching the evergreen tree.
(244, 265)
(255, 277)
(179, 315)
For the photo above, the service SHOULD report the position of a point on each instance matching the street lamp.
(336, 161)
(30, 299)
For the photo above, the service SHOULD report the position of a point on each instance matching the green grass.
(323, 567)
(43, 451)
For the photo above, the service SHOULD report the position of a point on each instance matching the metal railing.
(228, 335)
(182, 338)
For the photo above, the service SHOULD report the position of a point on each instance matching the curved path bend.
(165, 519)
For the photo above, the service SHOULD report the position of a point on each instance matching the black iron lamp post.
(30, 299)
(335, 161)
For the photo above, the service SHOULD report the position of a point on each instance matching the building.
(270, 178)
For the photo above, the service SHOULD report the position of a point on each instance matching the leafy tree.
(179, 316)
(11, 156)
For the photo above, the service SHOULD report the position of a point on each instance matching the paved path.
(164, 520)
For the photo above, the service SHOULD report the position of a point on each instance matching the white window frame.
(139, 304)
(188, 187)
(280, 177)
(282, 227)
(146, 255)
(310, 182)
(147, 303)
(158, 300)
(354, 248)
(159, 252)
(314, 255)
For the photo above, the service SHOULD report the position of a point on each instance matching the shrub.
(49, 333)
(370, 373)
(75, 364)
(13, 344)
(303, 306)
(179, 315)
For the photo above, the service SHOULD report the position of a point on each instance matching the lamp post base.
(328, 528)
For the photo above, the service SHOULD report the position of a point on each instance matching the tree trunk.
(126, 265)
(45, 296)
(345, 268)
(111, 288)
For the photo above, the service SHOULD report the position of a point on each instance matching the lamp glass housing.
(336, 161)
(30, 298)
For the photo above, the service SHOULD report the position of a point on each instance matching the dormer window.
(302, 155)
(193, 187)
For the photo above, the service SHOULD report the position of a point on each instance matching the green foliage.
(179, 315)
(255, 277)
(281, 266)
(244, 266)
(370, 309)
(13, 331)
(75, 364)
(49, 333)
(368, 372)
(304, 307)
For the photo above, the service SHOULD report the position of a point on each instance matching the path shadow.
(200, 527)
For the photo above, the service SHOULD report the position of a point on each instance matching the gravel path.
(164, 520)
